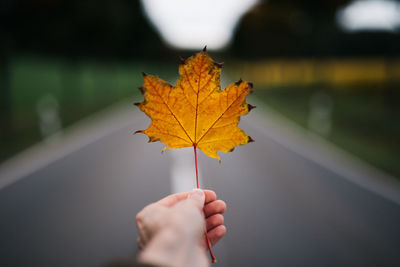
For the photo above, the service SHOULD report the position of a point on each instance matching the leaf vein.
(212, 125)
(173, 135)
(166, 104)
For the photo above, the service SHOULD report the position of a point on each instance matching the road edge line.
(81, 133)
(317, 149)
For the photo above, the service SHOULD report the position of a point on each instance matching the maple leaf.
(196, 112)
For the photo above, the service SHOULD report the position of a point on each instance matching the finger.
(214, 221)
(171, 200)
(218, 206)
(216, 234)
(197, 196)
(210, 196)
(147, 212)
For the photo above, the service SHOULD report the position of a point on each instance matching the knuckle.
(220, 219)
(139, 217)
(223, 205)
(221, 231)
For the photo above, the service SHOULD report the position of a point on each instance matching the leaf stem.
(214, 260)
(197, 169)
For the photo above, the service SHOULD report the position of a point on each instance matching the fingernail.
(197, 194)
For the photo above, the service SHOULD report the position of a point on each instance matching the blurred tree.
(305, 28)
(73, 31)
(5, 97)
(90, 28)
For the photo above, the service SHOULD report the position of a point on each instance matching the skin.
(171, 230)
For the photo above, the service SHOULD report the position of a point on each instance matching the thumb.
(198, 196)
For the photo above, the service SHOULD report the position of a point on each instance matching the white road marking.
(182, 171)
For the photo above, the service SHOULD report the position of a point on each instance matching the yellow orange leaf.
(196, 112)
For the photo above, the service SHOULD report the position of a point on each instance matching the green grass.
(364, 121)
(80, 89)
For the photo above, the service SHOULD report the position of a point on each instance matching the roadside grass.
(363, 120)
(75, 89)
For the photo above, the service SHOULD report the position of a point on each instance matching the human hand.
(171, 229)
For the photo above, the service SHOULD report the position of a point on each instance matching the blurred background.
(331, 67)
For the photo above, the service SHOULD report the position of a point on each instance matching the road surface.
(283, 208)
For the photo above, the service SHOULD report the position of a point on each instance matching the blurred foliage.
(79, 89)
(80, 56)
(75, 29)
(305, 29)
(350, 72)
(364, 121)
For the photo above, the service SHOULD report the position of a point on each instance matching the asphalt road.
(283, 209)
